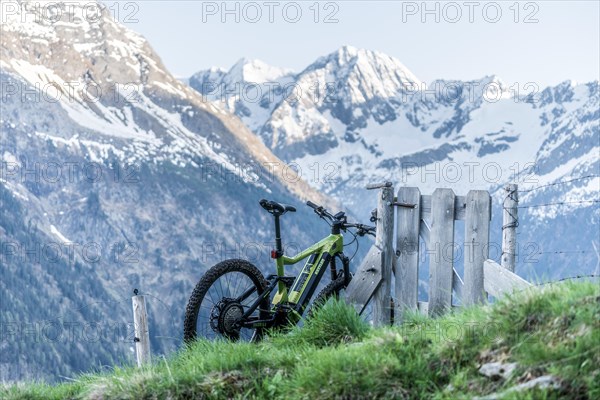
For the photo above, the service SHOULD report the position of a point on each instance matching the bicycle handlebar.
(312, 205)
(361, 229)
(320, 211)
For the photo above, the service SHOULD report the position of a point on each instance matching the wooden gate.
(431, 218)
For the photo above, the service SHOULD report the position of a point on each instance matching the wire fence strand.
(569, 278)
(564, 252)
(560, 203)
(559, 183)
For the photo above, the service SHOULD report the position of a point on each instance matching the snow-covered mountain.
(116, 176)
(299, 114)
(361, 116)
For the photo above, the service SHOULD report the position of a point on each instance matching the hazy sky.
(545, 42)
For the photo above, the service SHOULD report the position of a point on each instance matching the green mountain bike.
(233, 299)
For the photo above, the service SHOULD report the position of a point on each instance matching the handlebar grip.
(312, 205)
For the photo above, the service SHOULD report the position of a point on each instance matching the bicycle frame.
(319, 256)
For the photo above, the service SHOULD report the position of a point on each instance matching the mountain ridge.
(116, 176)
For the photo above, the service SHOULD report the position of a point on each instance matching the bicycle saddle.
(275, 207)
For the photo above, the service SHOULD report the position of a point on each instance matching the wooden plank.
(459, 206)
(441, 247)
(510, 222)
(423, 307)
(407, 247)
(477, 237)
(457, 282)
(142, 334)
(498, 281)
(385, 241)
(366, 280)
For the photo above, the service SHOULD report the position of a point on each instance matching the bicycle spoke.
(228, 280)
(221, 295)
(237, 286)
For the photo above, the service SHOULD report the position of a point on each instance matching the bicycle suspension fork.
(332, 269)
(345, 265)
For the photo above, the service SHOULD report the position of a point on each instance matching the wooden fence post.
(441, 263)
(510, 222)
(477, 234)
(407, 246)
(384, 240)
(366, 280)
(142, 334)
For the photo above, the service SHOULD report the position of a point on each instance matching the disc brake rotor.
(225, 316)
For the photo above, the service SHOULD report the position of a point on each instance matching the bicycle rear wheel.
(214, 311)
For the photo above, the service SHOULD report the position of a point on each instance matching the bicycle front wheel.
(336, 289)
(217, 304)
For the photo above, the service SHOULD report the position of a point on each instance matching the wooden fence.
(431, 218)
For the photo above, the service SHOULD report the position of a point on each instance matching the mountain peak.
(70, 45)
(493, 79)
(367, 64)
(348, 51)
(256, 71)
(366, 74)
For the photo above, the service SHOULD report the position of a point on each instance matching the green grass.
(337, 356)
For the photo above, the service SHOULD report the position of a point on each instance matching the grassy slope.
(555, 331)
